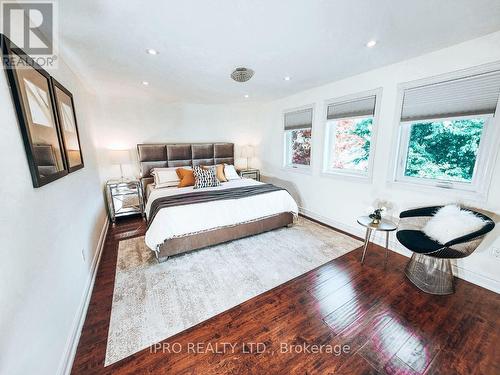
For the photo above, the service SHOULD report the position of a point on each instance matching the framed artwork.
(33, 98)
(65, 108)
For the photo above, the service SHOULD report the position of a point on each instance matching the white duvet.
(179, 221)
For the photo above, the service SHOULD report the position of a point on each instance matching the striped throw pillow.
(204, 178)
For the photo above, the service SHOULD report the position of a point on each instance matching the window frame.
(477, 178)
(336, 172)
(301, 168)
(487, 153)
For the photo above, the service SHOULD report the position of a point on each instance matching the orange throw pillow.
(219, 171)
(186, 176)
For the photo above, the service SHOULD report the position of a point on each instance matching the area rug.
(153, 301)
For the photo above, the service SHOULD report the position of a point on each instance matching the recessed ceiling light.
(145, 83)
(151, 51)
(371, 43)
(246, 95)
(287, 78)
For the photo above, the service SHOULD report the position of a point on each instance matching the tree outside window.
(300, 146)
(444, 150)
(349, 144)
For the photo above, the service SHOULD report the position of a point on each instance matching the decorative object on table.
(378, 209)
(35, 108)
(124, 198)
(376, 216)
(383, 225)
(247, 152)
(65, 109)
(120, 157)
(252, 173)
(430, 268)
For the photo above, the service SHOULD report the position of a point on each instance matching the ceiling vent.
(242, 74)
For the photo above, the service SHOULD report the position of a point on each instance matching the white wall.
(339, 200)
(123, 122)
(44, 231)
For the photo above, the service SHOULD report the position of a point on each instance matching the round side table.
(385, 225)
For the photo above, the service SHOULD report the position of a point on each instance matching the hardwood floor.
(341, 318)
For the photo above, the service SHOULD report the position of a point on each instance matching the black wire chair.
(430, 267)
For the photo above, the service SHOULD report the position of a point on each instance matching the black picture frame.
(46, 156)
(70, 154)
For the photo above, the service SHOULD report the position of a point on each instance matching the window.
(349, 133)
(446, 136)
(298, 132)
(444, 150)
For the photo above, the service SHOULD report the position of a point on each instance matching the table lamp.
(247, 152)
(120, 157)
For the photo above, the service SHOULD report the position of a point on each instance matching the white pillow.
(450, 222)
(230, 172)
(165, 177)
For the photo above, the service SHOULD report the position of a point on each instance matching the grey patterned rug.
(153, 301)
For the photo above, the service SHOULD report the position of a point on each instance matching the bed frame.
(162, 155)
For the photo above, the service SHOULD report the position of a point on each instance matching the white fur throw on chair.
(451, 222)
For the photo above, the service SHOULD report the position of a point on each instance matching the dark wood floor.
(380, 321)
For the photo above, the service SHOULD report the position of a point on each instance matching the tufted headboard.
(162, 155)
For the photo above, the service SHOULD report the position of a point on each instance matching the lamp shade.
(247, 151)
(119, 156)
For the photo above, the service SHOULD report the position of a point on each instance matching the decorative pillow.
(186, 177)
(219, 171)
(165, 177)
(230, 172)
(205, 177)
(451, 222)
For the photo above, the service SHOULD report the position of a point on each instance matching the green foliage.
(444, 150)
(363, 129)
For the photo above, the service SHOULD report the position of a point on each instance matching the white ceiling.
(201, 42)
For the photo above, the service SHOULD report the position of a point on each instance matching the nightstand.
(124, 198)
(249, 173)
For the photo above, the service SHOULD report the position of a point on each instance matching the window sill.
(453, 193)
(347, 176)
(301, 170)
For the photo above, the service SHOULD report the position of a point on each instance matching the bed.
(185, 219)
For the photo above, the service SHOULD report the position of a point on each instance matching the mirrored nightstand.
(249, 173)
(124, 198)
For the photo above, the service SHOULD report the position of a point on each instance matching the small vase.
(376, 221)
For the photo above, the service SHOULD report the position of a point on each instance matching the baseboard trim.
(74, 338)
(379, 239)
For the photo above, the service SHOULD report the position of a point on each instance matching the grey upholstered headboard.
(162, 155)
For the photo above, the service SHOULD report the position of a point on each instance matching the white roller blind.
(352, 108)
(299, 119)
(472, 95)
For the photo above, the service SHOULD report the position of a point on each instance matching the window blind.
(352, 108)
(472, 95)
(299, 119)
